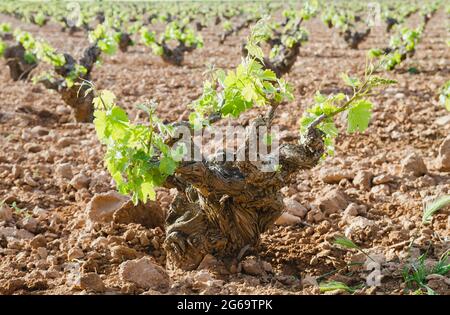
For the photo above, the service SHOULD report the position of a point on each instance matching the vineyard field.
(95, 198)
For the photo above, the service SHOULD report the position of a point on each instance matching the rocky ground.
(63, 229)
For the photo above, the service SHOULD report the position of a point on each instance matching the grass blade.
(334, 285)
(433, 207)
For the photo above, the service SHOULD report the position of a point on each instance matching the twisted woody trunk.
(222, 208)
(77, 96)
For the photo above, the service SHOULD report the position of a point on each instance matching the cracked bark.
(222, 208)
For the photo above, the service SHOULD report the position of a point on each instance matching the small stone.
(315, 216)
(414, 165)
(30, 224)
(357, 225)
(100, 243)
(64, 142)
(399, 95)
(80, 181)
(333, 202)
(295, 208)
(42, 252)
(17, 171)
(123, 253)
(443, 159)
(129, 235)
(39, 131)
(335, 175)
(64, 170)
(29, 180)
(75, 253)
(287, 219)
(381, 190)
(32, 147)
(252, 266)
(144, 273)
(383, 179)
(90, 282)
(102, 206)
(38, 241)
(363, 180)
(351, 210)
(5, 213)
(443, 120)
(12, 232)
(40, 213)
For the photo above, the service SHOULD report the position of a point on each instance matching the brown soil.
(38, 135)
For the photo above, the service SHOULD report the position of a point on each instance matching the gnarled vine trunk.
(354, 38)
(19, 67)
(75, 96)
(223, 207)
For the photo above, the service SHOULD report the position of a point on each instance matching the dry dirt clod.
(335, 175)
(287, 219)
(252, 266)
(90, 282)
(294, 207)
(413, 165)
(75, 253)
(145, 274)
(38, 241)
(80, 181)
(149, 215)
(64, 170)
(102, 206)
(5, 213)
(333, 202)
(363, 180)
(443, 159)
(122, 253)
(32, 147)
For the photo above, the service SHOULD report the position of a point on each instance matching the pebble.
(144, 273)
(294, 207)
(413, 165)
(64, 170)
(333, 202)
